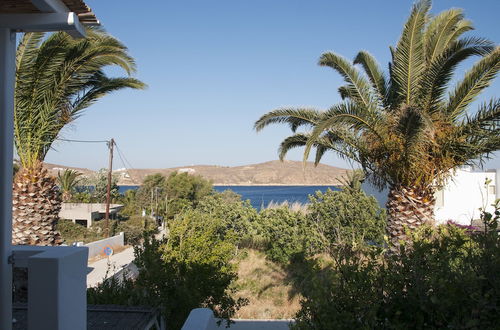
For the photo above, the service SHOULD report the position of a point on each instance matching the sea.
(262, 196)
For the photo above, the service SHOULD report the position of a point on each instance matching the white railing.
(57, 286)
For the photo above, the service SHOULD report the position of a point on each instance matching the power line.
(84, 141)
(125, 163)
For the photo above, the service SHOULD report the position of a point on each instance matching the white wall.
(464, 195)
(97, 248)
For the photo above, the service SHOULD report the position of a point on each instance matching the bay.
(262, 196)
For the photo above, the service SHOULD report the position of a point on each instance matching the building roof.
(85, 14)
(103, 317)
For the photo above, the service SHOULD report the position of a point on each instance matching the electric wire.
(83, 141)
(126, 163)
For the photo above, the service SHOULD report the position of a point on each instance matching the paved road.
(114, 265)
(107, 267)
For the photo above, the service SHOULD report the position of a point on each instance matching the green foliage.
(410, 129)
(234, 214)
(100, 183)
(444, 278)
(286, 233)
(71, 232)
(57, 78)
(348, 214)
(185, 191)
(130, 204)
(134, 228)
(67, 181)
(189, 269)
(151, 193)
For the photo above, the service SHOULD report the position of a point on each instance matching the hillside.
(268, 173)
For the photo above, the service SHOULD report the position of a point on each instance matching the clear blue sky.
(214, 67)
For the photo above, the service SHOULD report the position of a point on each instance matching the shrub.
(185, 191)
(134, 228)
(72, 232)
(191, 268)
(445, 277)
(235, 215)
(347, 214)
(286, 233)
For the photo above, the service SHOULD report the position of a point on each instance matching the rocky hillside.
(268, 173)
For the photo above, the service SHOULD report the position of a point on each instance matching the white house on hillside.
(462, 197)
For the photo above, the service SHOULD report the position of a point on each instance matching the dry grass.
(295, 207)
(264, 284)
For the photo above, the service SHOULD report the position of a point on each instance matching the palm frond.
(474, 82)
(294, 117)
(440, 32)
(435, 81)
(58, 78)
(359, 88)
(409, 57)
(373, 71)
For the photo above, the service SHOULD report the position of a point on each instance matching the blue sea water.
(262, 196)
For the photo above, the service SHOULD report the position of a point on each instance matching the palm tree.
(57, 78)
(67, 182)
(407, 128)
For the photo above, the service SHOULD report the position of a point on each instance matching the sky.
(214, 67)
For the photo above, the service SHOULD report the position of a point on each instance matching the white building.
(462, 197)
(86, 213)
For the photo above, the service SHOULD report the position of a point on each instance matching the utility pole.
(108, 190)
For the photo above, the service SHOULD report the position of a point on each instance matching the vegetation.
(100, 184)
(168, 197)
(445, 277)
(408, 127)
(189, 269)
(57, 78)
(68, 181)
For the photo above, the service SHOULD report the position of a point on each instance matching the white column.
(7, 76)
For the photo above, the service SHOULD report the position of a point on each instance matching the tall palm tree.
(57, 78)
(67, 181)
(407, 128)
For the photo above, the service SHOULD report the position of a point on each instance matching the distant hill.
(268, 173)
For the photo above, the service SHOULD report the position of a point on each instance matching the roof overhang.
(47, 15)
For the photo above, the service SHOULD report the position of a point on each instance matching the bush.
(234, 214)
(190, 269)
(134, 228)
(72, 232)
(348, 214)
(286, 233)
(185, 191)
(445, 277)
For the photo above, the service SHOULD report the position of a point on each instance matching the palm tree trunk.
(36, 206)
(407, 209)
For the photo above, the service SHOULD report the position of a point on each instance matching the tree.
(57, 78)
(67, 182)
(151, 192)
(407, 128)
(100, 183)
(185, 191)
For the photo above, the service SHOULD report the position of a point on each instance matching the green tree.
(191, 268)
(151, 194)
(67, 181)
(57, 78)
(100, 183)
(407, 128)
(185, 191)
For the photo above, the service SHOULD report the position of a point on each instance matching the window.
(439, 196)
(492, 189)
